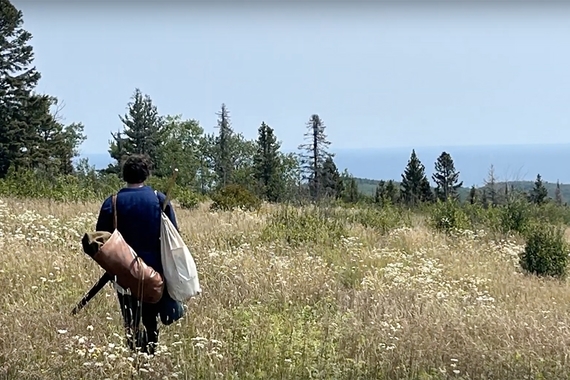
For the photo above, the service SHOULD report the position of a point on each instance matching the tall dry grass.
(407, 304)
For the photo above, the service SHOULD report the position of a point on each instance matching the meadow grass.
(288, 294)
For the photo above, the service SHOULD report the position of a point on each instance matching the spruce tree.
(473, 195)
(53, 146)
(558, 195)
(267, 165)
(539, 192)
(224, 161)
(380, 194)
(330, 180)
(314, 153)
(142, 131)
(352, 193)
(391, 192)
(446, 178)
(415, 186)
(18, 78)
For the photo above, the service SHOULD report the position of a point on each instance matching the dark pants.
(134, 312)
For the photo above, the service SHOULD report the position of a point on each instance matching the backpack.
(179, 268)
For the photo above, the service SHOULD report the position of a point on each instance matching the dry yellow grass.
(410, 304)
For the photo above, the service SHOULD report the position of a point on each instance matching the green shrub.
(515, 215)
(448, 216)
(546, 251)
(308, 225)
(235, 196)
(188, 199)
(380, 219)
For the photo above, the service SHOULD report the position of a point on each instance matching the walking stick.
(92, 292)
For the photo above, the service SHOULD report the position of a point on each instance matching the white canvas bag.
(180, 272)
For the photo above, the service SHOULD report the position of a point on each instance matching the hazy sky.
(378, 76)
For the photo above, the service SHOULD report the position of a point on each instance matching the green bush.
(448, 216)
(380, 219)
(235, 196)
(515, 215)
(188, 199)
(546, 251)
(308, 225)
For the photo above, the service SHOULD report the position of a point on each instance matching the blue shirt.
(138, 220)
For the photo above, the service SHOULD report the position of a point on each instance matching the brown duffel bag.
(118, 259)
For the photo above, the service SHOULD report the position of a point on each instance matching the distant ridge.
(513, 163)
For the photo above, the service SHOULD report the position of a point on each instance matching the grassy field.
(288, 294)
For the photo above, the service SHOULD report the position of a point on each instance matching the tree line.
(33, 138)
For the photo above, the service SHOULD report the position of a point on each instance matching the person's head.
(136, 169)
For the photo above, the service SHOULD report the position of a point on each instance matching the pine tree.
(267, 164)
(539, 192)
(314, 154)
(224, 164)
(415, 186)
(330, 180)
(142, 132)
(558, 195)
(353, 195)
(391, 192)
(484, 198)
(446, 178)
(18, 78)
(380, 194)
(473, 195)
(53, 145)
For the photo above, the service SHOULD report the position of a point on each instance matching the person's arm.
(105, 218)
(169, 211)
(172, 215)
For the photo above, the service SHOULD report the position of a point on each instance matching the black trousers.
(134, 312)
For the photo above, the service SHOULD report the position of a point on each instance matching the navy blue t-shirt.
(138, 220)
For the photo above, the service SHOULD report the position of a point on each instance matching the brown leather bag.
(118, 259)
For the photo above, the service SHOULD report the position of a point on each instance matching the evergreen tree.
(415, 186)
(314, 154)
(330, 180)
(206, 175)
(142, 132)
(380, 194)
(426, 192)
(267, 165)
(53, 146)
(558, 195)
(539, 192)
(473, 195)
(446, 178)
(352, 193)
(18, 78)
(224, 149)
(484, 198)
(391, 193)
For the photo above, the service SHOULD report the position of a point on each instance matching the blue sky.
(378, 76)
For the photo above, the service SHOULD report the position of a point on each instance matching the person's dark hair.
(136, 169)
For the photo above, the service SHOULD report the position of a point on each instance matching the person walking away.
(138, 220)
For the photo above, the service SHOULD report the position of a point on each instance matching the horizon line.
(410, 147)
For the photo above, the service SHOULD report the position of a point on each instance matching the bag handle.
(114, 200)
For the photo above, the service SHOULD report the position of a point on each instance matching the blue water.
(511, 163)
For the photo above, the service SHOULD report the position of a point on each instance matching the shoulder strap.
(161, 205)
(114, 200)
